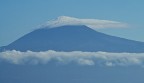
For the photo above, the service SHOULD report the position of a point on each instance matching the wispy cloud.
(77, 57)
(92, 23)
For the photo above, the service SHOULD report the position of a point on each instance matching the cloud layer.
(77, 57)
(92, 23)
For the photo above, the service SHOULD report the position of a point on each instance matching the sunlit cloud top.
(92, 23)
(77, 57)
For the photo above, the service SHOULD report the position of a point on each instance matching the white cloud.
(92, 23)
(77, 57)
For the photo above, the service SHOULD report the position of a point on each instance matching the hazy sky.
(18, 17)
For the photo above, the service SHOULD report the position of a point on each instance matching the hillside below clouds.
(71, 34)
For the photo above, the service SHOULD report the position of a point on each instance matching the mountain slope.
(73, 38)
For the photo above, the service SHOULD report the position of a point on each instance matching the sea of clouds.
(77, 57)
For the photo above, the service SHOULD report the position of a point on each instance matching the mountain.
(73, 38)
(70, 38)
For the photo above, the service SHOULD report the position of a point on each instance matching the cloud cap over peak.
(92, 23)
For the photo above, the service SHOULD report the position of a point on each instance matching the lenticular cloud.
(77, 57)
(92, 23)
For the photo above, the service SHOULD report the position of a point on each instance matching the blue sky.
(18, 17)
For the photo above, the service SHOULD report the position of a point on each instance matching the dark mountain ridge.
(73, 38)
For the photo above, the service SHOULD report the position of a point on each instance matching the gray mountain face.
(73, 38)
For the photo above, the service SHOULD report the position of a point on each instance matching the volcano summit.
(72, 34)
